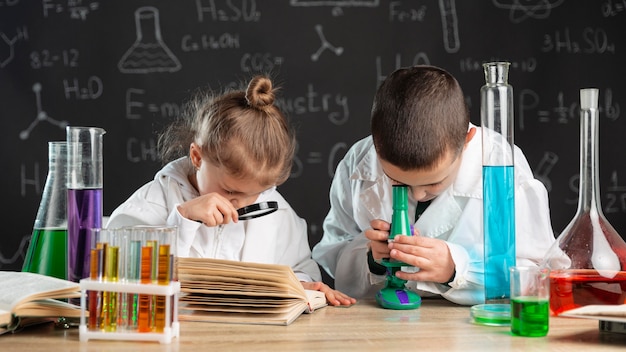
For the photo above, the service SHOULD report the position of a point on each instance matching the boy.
(422, 137)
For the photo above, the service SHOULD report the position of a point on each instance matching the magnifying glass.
(257, 210)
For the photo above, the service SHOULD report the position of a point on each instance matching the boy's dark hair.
(419, 114)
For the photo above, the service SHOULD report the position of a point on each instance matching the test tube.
(144, 314)
(110, 298)
(95, 273)
(133, 275)
(162, 279)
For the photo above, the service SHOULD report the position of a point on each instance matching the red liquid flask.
(588, 259)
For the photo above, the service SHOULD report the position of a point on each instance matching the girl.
(240, 147)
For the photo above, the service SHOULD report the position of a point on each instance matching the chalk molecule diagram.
(41, 115)
(325, 45)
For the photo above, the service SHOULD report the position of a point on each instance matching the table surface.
(436, 325)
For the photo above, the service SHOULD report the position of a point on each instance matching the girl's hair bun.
(259, 93)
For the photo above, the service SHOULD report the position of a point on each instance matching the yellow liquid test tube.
(163, 278)
(95, 273)
(110, 299)
(144, 313)
(102, 246)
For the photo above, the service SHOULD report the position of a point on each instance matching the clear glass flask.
(588, 259)
(84, 197)
(47, 251)
(496, 111)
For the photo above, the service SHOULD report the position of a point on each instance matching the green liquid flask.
(46, 253)
(395, 295)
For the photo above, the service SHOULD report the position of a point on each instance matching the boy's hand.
(334, 297)
(430, 255)
(378, 236)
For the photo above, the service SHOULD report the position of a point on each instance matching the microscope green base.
(400, 299)
(395, 295)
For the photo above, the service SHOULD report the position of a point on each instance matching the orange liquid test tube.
(163, 278)
(144, 314)
(95, 273)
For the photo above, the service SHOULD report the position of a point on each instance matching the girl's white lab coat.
(278, 238)
(360, 193)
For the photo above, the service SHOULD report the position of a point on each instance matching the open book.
(226, 291)
(615, 313)
(27, 298)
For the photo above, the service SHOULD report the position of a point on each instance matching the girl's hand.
(334, 297)
(211, 209)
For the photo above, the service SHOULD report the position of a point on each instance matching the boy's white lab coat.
(278, 238)
(360, 193)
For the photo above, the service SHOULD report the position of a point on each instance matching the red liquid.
(571, 289)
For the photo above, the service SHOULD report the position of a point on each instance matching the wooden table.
(436, 326)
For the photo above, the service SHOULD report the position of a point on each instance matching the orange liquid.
(571, 289)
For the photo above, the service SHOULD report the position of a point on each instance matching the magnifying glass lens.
(257, 210)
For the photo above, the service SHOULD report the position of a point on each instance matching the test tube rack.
(171, 329)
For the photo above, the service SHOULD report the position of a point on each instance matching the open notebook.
(226, 291)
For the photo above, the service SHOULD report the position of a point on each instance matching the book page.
(598, 312)
(18, 287)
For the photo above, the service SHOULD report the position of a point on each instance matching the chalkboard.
(79, 63)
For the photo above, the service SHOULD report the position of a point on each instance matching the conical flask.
(588, 259)
(47, 251)
(84, 197)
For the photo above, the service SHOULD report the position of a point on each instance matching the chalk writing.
(381, 73)
(592, 41)
(136, 108)
(522, 10)
(26, 180)
(228, 11)
(563, 112)
(449, 22)
(40, 116)
(91, 90)
(149, 53)
(46, 58)
(192, 43)
(260, 62)
(546, 164)
(76, 9)
(615, 196)
(335, 105)
(325, 45)
(612, 8)
(139, 150)
(397, 13)
(7, 45)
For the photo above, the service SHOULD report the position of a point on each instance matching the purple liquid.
(84, 214)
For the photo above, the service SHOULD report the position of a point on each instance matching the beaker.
(588, 260)
(84, 196)
(47, 251)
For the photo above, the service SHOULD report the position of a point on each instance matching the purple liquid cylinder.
(84, 216)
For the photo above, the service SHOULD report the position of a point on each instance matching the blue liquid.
(499, 230)
(84, 214)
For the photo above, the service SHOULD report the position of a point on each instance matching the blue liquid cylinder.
(498, 181)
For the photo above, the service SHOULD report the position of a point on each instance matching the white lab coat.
(278, 238)
(360, 192)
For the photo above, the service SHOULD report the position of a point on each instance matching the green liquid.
(47, 253)
(530, 316)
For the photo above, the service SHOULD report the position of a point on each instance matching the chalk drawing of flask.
(149, 53)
